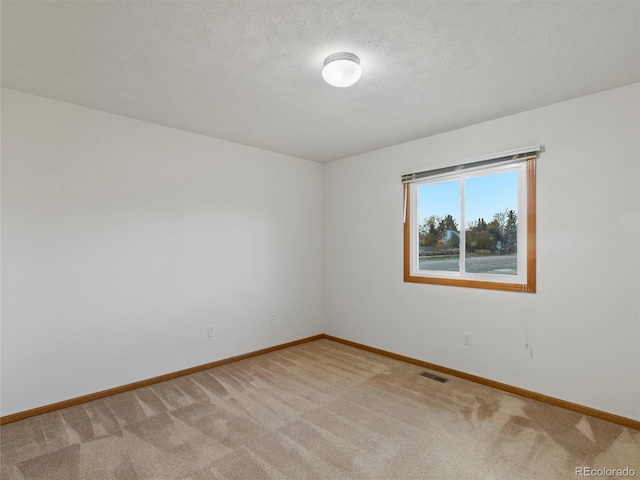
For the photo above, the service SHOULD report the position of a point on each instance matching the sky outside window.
(485, 196)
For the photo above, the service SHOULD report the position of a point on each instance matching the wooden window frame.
(528, 287)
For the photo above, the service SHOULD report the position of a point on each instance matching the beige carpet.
(320, 410)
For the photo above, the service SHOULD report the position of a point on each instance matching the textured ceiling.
(250, 71)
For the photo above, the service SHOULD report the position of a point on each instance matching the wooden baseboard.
(144, 383)
(610, 417)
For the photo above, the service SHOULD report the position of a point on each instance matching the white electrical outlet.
(212, 330)
(466, 338)
(273, 319)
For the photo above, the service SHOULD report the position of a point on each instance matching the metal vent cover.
(434, 377)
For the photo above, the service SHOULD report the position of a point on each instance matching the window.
(473, 225)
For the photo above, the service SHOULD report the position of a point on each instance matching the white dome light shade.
(341, 69)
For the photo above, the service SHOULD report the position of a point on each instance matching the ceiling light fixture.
(341, 69)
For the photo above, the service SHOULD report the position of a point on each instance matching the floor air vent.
(434, 377)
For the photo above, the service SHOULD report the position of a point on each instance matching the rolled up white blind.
(510, 156)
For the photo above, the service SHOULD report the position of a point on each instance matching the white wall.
(585, 318)
(122, 240)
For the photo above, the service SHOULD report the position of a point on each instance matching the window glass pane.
(491, 214)
(439, 226)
